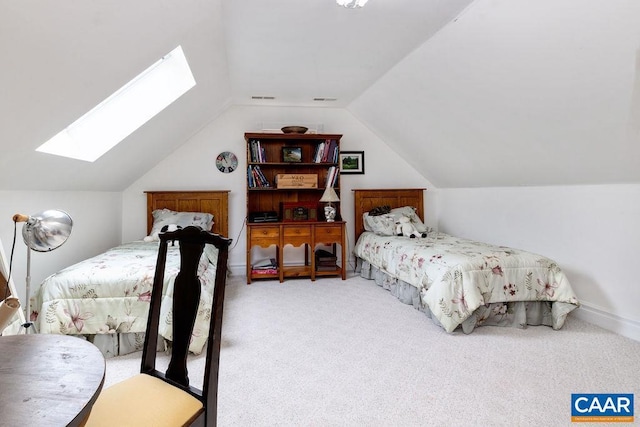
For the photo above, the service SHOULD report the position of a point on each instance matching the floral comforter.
(110, 293)
(456, 276)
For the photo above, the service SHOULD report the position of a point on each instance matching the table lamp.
(329, 196)
(42, 232)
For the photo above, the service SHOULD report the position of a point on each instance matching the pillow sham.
(166, 217)
(383, 225)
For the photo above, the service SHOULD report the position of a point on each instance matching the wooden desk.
(307, 234)
(48, 380)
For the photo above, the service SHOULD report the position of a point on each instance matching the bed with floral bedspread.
(464, 283)
(107, 297)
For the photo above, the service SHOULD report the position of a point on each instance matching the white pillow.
(162, 217)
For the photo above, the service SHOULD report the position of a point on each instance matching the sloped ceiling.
(518, 93)
(62, 58)
(482, 93)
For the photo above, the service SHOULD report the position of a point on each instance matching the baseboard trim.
(237, 270)
(620, 325)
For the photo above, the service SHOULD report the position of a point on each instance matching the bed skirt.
(514, 314)
(112, 345)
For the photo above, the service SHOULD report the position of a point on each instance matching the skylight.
(131, 106)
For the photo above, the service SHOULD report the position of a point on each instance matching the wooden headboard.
(365, 200)
(214, 202)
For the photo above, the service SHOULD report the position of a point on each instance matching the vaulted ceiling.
(471, 93)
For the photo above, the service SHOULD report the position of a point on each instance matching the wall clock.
(226, 162)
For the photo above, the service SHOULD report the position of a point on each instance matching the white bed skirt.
(120, 344)
(514, 314)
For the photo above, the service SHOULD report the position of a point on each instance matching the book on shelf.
(250, 182)
(317, 155)
(330, 154)
(325, 258)
(265, 264)
(264, 271)
(332, 177)
(326, 152)
(263, 179)
(322, 253)
(257, 152)
(255, 177)
(332, 267)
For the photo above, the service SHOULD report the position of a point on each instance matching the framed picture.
(352, 162)
(291, 154)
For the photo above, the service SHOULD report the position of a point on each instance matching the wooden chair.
(153, 398)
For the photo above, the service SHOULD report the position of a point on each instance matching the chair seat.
(143, 400)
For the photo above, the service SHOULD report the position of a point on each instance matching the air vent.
(263, 97)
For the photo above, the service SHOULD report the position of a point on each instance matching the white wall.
(593, 232)
(96, 227)
(193, 168)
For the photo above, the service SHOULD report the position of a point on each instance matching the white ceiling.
(518, 93)
(482, 93)
(301, 50)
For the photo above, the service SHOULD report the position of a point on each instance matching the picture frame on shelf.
(292, 154)
(351, 162)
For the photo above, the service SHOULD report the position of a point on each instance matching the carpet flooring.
(347, 353)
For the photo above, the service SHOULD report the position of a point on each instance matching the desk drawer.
(332, 232)
(264, 232)
(264, 236)
(297, 231)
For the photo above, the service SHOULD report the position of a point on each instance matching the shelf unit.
(266, 153)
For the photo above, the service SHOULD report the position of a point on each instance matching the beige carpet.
(347, 353)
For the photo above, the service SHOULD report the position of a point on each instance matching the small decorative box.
(296, 180)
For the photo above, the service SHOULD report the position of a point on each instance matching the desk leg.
(344, 252)
(280, 257)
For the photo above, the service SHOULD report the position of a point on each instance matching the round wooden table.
(48, 380)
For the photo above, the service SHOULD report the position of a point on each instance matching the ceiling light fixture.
(352, 4)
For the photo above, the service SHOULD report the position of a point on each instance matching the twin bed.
(458, 283)
(106, 298)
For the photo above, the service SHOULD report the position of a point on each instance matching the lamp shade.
(329, 196)
(46, 230)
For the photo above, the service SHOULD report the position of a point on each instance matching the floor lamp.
(42, 232)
